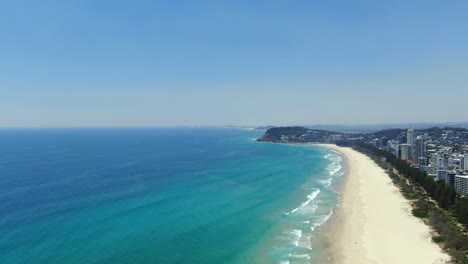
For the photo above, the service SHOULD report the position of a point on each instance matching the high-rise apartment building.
(441, 175)
(410, 136)
(435, 161)
(450, 179)
(461, 184)
(465, 162)
(419, 148)
(422, 161)
(406, 151)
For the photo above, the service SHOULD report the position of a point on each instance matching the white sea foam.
(333, 157)
(333, 168)
(310, 209)
(326, 183)
(300, 256)
(305, 242)
(337, 152)
(322, 220)
(310, 198)
(284, 262)
(296, 235)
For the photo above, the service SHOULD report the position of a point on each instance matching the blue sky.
(165, 63)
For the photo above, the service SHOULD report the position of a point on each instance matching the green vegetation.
(295, 134)
(457, 148)
(439, 239)
(433, 201)
(420, 213)
(389, 133)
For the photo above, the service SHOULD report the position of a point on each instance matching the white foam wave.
(333, 157)
(333, 168)
(305, 243)
(300, 256)
(322, 220)
(296, 236)
(310, 209)
(326, 183)
(310, 198)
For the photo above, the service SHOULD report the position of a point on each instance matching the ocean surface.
(167, 195)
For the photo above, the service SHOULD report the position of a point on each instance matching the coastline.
(372, 222)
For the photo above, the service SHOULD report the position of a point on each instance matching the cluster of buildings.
(441, 152)
(444, 155)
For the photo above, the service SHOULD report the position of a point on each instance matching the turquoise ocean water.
(161, 196)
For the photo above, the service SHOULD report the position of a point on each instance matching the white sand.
(373, 223)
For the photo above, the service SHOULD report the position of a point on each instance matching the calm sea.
(161, 196)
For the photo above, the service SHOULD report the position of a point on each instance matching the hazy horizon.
(206, 63)
(415, 125)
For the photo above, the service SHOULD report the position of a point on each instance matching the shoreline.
(372, 222)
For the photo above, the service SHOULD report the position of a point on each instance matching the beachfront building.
(462, 163)
(450, 180)
(384, 142)
(406, 151)
(435, 162)
(419, 148)
(427, 169)
(376, 143)
(465, 162)
(461, 184)
(334, 137)
(410, 137)
(392, 146)
(440, 163)
(398, 151)
(422, 161)
(441, 175)
(450, 163)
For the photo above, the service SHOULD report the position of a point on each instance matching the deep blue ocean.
(166, 195)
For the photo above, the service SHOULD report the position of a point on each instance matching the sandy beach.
(373, 222)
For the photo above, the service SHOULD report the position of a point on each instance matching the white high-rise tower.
(465, 161)
(410, 137)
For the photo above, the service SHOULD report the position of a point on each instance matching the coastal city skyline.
(79, 64)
